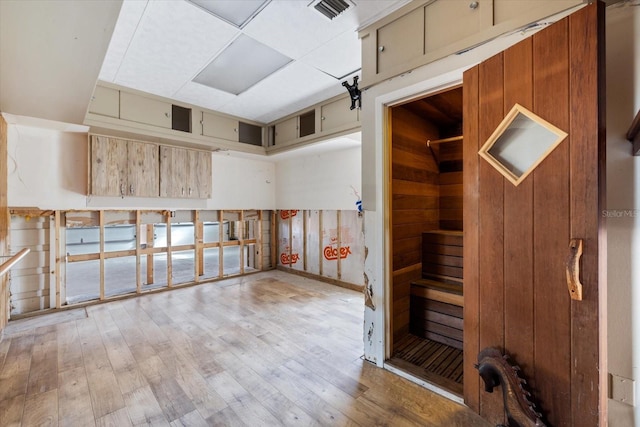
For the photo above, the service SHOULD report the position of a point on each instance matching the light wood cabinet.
(336, 115)
(512, 10)
(185, 173)
(219, 126)
(120, 167)
(105, 101)
(145, 110)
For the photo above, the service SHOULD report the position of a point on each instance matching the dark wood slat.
(442, 319)
(452, 261)
(441, 270)
(588, 157)
(442, 249)
(491, 233)
(518, 223)
(450, 202)
(402, 202)
(470, 218)
(443, 238)
(551, 234)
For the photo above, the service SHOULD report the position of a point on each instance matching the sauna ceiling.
(443, 109)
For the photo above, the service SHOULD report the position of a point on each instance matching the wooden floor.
(264, 350)
(431, 361)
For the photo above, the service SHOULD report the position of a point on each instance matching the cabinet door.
(337, 114)
(173, 172)
(287, 130)
(219, 127)
(144, 169)
(400, 41)
(532, 10)
(108, 166)
(446, 22)
(199, 182)
(144, 110)
(105, 101)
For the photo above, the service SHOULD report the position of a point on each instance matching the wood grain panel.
(518, 223)
(552, 314)
(108, 166)
(471, 244)
(587, 199)
(414, 203)
(491, 233)
(143, 169)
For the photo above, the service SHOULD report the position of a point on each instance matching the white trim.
(418, 90)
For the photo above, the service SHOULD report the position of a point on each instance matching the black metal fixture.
(354, 93)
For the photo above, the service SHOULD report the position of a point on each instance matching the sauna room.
(426, 243)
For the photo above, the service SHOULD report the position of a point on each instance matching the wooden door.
(143, 169)
(517, 239)
(108, 166)
(173, 171)
(199, 180)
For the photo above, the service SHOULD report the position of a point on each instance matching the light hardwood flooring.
(262, 350)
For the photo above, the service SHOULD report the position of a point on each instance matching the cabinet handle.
(573, 269)
(167, 115)
(381, 49)
(183, 191)
(474, 5)
(189, 190)
(131, 189)
(323, 118)
(235, 129)
(122, 189)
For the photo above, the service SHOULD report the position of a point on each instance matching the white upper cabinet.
(105, 101)
(219, 126)
(145, 110)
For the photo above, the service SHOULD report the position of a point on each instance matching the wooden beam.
(58, 259)
(101, 224)
(633, 134)
(240, 237)
(169, 250)
(220, 238)
(199, 240)
(138, 253)
(259, 241)
(274, 240)
(150, 240)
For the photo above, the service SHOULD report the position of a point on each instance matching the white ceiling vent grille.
(331, 8)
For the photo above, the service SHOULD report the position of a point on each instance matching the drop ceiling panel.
(128, 20)
(204, 96)
(294, 28)
(173, 42)
(339, 57)
(291, 85)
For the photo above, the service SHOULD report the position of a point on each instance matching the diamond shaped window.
(520, 143)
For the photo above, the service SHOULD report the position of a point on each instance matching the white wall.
(623, 205)
(319, 181)
(48, 170)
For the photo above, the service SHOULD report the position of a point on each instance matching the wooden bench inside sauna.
(437, 298)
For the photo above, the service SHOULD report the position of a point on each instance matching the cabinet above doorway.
(424, 31)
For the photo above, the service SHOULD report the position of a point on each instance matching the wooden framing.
(104, 218)
(5, 219)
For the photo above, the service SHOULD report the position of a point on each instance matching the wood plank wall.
(450, 180)
(414, 205)
(4, 223)
(516, 238)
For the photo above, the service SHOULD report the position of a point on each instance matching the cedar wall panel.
(414, 205)
(450, 180)
(516, 238)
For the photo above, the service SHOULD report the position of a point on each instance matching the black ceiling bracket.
(354, 93)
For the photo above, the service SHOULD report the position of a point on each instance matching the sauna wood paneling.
(587, 199)
(516, 238)
(518, 221)
(491, 232)
(450, 181)
(414, 205)
(552, 226)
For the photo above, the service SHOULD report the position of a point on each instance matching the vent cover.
(331, 8)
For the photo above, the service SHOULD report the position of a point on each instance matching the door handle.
(573, 269)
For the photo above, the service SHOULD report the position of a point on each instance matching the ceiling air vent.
(331, 8)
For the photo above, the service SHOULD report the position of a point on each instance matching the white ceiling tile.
(174, 41)
(294, 28)
(203, 96)
(294, 87)
(338, 57)
(130, 15)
